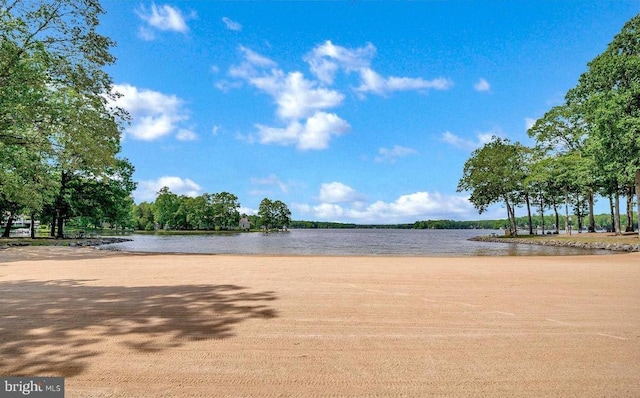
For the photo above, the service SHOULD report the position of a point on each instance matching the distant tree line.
(338, 225)
(552, 223)
(602, 222)
(588, 147)
(208, 212)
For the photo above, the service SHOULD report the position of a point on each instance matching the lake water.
(349, 242)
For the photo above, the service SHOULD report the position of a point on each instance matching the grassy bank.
(601, 241)
(47, 241)
(626, 238)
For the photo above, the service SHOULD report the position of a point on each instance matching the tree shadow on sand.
(48, 328)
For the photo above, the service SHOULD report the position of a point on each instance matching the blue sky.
(352, 111)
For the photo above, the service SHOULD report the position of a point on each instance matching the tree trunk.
(557, 214)
(53, 224)
(542, 212)
(526, 198)
(613, 214)
(7, 230)
(579, 213)
(514, 224)
(511, 217)
(60, 227)
(629, 209)
(567, 229)
(32, 227)
(60, 205)
(592, 218)
(617, 213)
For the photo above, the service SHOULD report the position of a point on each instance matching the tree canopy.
(493, 174)
(58, 130)
(207, 212)
(587, 146)
(274, 214)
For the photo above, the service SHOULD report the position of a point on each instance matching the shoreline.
(567, 242)
(65, 242)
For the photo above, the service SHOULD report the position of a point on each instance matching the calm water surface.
(349, 242)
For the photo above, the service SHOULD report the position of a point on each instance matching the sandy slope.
(206, 326)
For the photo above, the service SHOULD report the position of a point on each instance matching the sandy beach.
(126, 325)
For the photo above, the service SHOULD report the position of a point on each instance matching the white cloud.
(416, 206)
(225, 86)
(302, 104)
(257, 59)
(271, 180)
(315, 133)
(251, 65)
(247, 210)
(154, 114)
(147, 190)
(462, 143)
(372, 82)
(146, 34)
(326, 59)
(392, 155)
(482, 85)
(231, 25)
(296, 96)
(339, 202)
(337, 192)
(163, 18)
(328, 212)
(186, 135)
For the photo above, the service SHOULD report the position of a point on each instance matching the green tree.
(54, 95)
(142, 216)
(563, 131)
(86, 140)
(105, 199)
(181, 217)
(165, 208)
(608, 96)
(26, 184)
(225, 209)
(541, 182)
(274, 214)
(198, 211)
(282, 214)
(493, 174)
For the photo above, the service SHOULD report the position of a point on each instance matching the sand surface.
(119, 325)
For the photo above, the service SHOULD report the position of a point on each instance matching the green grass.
(36, 241)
